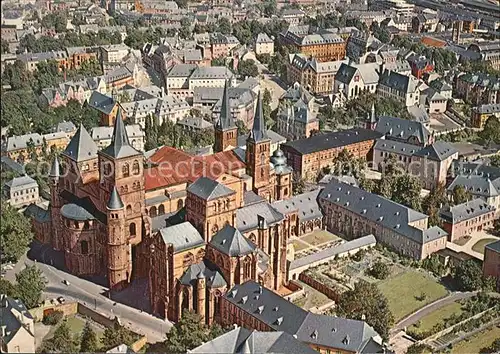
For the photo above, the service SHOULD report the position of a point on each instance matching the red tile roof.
(176, 167)
(432, 42)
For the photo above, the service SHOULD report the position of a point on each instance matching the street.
(92, 295)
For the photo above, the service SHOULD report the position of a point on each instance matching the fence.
(333, 294)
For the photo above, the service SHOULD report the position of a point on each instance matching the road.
(94, 296)
(436, 305)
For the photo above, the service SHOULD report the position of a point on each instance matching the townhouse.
(480, 114)
(264, 44)
(478, 88)
(21, 191)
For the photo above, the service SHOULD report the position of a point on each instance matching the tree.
(88, 341)
(248, 68)
(224, 25)
(433, 203)
(418, 348)
(190, 332)
(406, 190)
(185, 30)
(468, 275)
(7, 288)
(366, 301)
(298, 185)
(379, 270)
(493, 348)
(116, 336)
(5, 46)
(495, 161)
(62, 341)
(346, 164)
(460, 195)
(491, 131)
(15, 233)
(30, 285)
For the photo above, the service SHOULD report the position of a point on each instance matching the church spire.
(54, 170)
(373, 118)
(258, 132)
(120, 145)
(225, 120)
(114, 202)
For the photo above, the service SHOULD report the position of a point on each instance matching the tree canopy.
(30, 285)
(469, 275)
(366, 301)
(491, 131)
(15, 233)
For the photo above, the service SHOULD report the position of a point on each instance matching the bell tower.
(55, 205)
(226, 131)
(258, 154)
(121, 168)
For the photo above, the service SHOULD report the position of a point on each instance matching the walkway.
(436, 305)
(467, 248)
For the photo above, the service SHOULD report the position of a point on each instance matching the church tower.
(371, 122)
(119, 267)
(226, 131)
(121, 168)
(258, 153)
(55, 205)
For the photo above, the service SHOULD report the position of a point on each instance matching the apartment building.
(317, 77)
(264, 44)
(403, 88)
(355, 212)
(21, 191)
(324, 45)
(480, 114)
(19, 148)
(309, 156)
(464, 219)
(478, 88)
(18, 326)
(114, 53)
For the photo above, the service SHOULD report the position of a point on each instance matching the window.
(180, 204)
(131, 229)
(129, 209)
(84, 247)
(135, 168)
(152, 212)
(125, 170)
(161, 209)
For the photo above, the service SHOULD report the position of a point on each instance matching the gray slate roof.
(231, 242)
(242, 340)
(81, 147)
(306, 204)
(494, 246)
(282, 315)
(23, 181)
(208, 189)
(332, 140)
(468, 210)
(8, 309)
(259, 130)
(206, 270)
(380, 210)
(396, 147)
(38, 213)
(114, 202)
(225, 120)
(247, 218)
(398, 82)
(182, 236)
(402, 129)
(120, 145)
(438, 151)
(476, 185)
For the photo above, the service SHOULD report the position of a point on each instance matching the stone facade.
(491, 263)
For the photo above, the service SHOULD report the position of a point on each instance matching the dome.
(76, 212)
(278, 158)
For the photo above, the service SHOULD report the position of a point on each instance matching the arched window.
(152, 212)
(180, 204)
(131, 229)
(129, 209)
(161, 209)
(262, 159)
(86, 225)
(76, 224)
(135, 168)
(285, 191)
(125, 170)
(84, 245)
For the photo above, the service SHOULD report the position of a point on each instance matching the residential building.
(317, 77)
(323, 45)
(264, 44)
(420, 65)
(18, 326)
(443, 88)
(297, 121)
(489, 52)
(360, 44)
(252, 306)
(478, 89)
(403, 88)
(79, 55)
(241, 340)
(481, 181)
(430, 163)
(480, 114)
(20, 148)
(425, 22)
(467, 218)
(182, 79)
(292, 16)
(21, 191)
(31, 60)
(102, 136)
(221, 45)
(355, 212)
(309, 156)
(400, 7)
(114, 53)
(402, 130)
(491, 262)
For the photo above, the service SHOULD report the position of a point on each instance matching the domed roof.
(278, 158)
(76, 212)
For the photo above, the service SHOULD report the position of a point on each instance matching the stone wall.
(333, 294)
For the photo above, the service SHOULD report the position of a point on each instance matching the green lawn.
(76, 324)
(479, 245)
(402, 289)
(429, 321)
(477, 342)
(318, 237)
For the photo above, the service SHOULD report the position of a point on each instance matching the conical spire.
(373, 118)
(258, 132)
(54, 170)
(81, 147)
(225, 120)
(120, 145)
(114, 202)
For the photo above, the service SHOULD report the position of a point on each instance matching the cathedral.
(195, 226)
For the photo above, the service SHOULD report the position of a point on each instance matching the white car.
(65, 282)
(61, 300)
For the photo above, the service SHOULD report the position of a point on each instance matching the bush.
(380, 270)
(53, 318)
